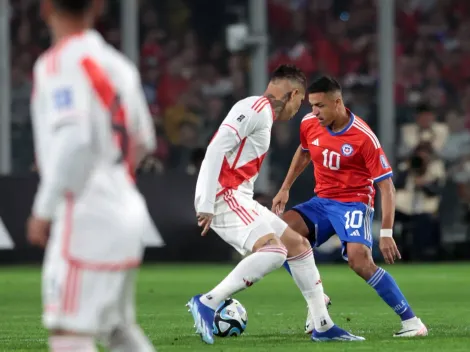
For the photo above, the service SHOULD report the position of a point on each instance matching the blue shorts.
(351, 221)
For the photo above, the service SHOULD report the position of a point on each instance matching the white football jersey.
(244, 135)
(85, 84)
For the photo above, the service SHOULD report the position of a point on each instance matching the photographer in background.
(419, 183)
(425, 129)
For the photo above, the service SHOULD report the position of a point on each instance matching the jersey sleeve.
(376, 161)
(67, 101)
(224, 141)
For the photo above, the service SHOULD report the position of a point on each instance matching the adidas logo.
(316, 142)
(355, 234)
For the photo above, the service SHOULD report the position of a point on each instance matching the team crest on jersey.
(347, 149)
(383, 161)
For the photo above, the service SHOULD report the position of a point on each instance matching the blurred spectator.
(458, 142)
(177, 114)
(419, 183)
(424, 129)
(182, 153)
(213, 117)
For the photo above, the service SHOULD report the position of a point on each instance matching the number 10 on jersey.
(331, 159)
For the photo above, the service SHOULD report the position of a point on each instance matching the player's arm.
(382, 173)
(298, 164)
(232, 131)
(66, 168)
(387, 193)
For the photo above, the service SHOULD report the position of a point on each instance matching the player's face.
(294, 100)
(325, 106)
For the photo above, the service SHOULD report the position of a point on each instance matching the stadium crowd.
(191, 80)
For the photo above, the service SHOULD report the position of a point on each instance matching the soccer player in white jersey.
(91, 127)
(224, 202)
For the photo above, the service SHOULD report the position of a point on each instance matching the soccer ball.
(230, 319)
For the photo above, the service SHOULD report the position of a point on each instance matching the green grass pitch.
(439, 294)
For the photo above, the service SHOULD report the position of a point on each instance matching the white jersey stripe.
(262, 106)
(259, 104)
(363, 124)
(369, 134)
(308, 117)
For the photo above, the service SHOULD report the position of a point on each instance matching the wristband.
(386, 233)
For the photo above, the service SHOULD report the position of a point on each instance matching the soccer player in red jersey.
(348, 160)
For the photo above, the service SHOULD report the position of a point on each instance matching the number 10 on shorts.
(354, 219)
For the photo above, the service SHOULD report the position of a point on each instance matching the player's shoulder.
(122, 64)
(308, 122)
(66, 58)
(309, 118)
(83, 52)
(362, 130)
(254, 106)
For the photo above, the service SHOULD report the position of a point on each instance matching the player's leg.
(268, 254)
(296, 222)
(353, 224)
(62, 316)
(127, 336)
(306, 219)
(238, 223)
(307, 279)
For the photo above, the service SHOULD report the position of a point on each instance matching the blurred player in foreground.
(348, 160)
(91, 128)
(224, 202)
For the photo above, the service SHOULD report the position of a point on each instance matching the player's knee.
(294, 242)
(360, 260)
(128, 339)
(272, 245)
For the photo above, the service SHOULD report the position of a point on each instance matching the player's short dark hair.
(74, 7)
(289, 72)
(324, 84)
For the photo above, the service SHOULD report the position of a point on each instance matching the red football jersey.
(346, 163)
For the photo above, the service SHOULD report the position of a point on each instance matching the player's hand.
(389, 249)
(38, 231)
(280, 201)
(204, 220)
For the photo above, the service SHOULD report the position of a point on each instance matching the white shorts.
(241, 221)
(86, 301)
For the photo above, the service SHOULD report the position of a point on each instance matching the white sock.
(129, 339)
(250, 270)
(64, 343)
(306, 276)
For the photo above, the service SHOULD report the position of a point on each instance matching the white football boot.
(309, 325)
(411, 328)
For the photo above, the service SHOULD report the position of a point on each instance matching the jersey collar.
(346, 128)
